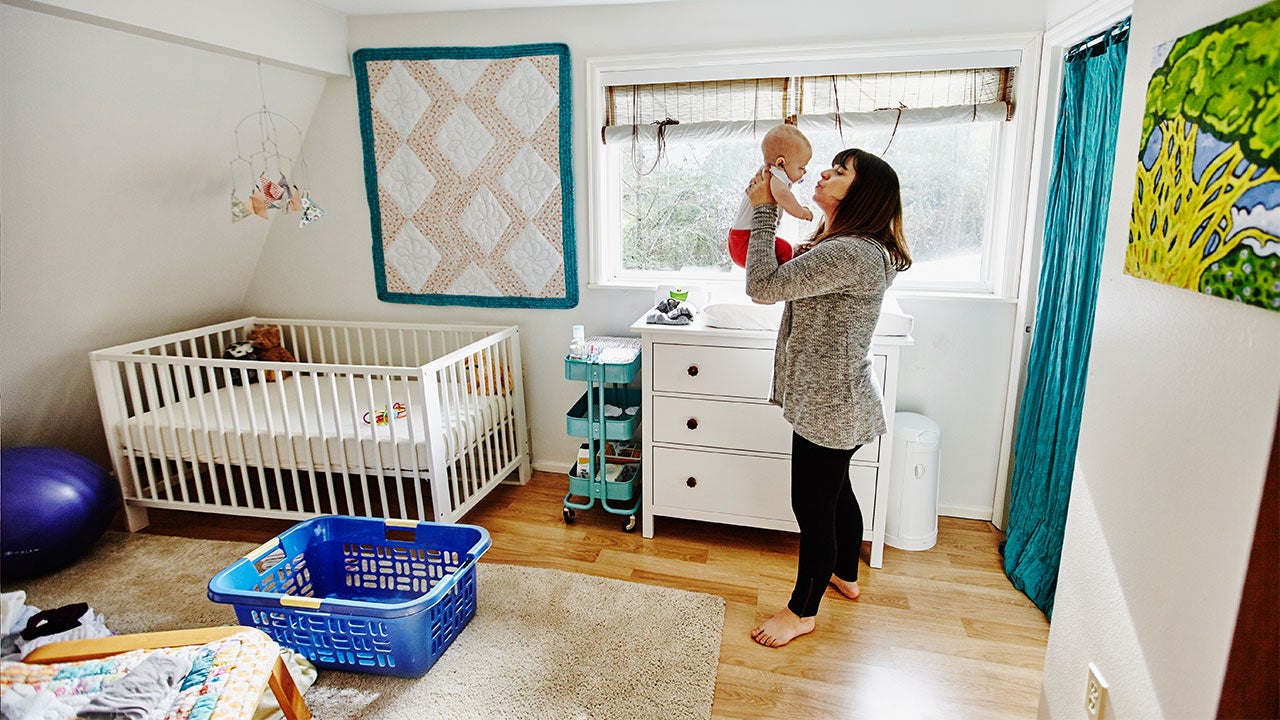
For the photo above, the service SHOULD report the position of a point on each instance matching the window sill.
(732, 290)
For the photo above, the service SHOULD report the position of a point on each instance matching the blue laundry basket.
(359, 594)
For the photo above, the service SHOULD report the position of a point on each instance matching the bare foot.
(782, 629)
(846, 588)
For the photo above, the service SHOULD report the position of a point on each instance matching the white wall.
(957, 371)
(299, 35)
(1174, 443)
(956, 374)
(116, 205)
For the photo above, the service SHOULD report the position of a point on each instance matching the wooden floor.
(939, 633)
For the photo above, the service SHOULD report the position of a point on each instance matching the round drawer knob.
(693, 371)
(691, 423)
(691, 482)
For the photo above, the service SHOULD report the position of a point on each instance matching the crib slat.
(326, 502)
(360, 453)
(310, 465)
(238, 434)
(133, 413)
(344, 461)
(154, 404)
(172, 382)
(392, 426)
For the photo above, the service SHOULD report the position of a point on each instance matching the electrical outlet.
(1095, 693)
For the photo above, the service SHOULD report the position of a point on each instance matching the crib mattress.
(256, 426)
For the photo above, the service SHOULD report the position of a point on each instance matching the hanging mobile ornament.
(311, 212)
(266, 162)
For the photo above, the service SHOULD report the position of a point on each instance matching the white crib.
(416, 422)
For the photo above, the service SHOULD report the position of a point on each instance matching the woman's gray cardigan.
(822, 375)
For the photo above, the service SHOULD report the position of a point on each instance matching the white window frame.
(1010, 167)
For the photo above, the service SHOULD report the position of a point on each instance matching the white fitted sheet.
(289, 432)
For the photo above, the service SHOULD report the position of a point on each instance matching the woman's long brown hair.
(872, 208)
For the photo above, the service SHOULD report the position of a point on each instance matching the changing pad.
(752, 316)
(742, 316)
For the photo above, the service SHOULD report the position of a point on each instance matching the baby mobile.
(275, 181)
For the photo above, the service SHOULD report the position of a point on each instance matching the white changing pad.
(893, 321)
(742, 316)
(753, 316)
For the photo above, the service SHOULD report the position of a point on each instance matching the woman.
(822, 373)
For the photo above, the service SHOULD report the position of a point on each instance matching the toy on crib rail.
(490, 380)
(382, 417)
(266, 343)
(241, 351)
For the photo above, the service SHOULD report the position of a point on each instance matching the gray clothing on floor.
(145, 693)
(822, 374)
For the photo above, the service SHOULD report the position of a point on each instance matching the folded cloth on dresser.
(670, 312)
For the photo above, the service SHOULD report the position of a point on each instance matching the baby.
(786, 153)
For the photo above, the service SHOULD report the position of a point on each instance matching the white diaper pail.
(912, 522)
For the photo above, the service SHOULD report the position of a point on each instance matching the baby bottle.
(578, 347)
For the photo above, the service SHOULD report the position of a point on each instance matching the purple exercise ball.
(54, 505)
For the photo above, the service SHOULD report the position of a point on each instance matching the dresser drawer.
(738, 425)
(743, 485)
(735, 425)
(707, 370)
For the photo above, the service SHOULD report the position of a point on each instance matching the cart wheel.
(568, 516)
(630, 524)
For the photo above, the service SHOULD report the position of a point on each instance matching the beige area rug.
(543, 643)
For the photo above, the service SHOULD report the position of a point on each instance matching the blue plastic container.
(359, 594)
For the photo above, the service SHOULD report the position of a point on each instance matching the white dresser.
(716, 450)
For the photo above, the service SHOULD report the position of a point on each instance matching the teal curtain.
(1074, 231)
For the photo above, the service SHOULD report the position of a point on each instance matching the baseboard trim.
(551, 466)
(968, 513)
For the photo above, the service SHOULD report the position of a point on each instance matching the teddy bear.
(486, 378)
(266, 344)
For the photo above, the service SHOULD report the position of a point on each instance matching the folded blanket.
(670, 312)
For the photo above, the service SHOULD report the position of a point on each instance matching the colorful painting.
(469, 175)
(1206, 209)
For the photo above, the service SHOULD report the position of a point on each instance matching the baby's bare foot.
(782, 629)
(846, 588)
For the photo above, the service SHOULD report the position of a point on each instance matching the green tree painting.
(1206, 208)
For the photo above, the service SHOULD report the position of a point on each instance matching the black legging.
(829, 518)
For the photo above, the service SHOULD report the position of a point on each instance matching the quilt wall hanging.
(469, 174)
(1206, 206)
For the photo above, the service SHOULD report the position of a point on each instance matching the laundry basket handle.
(263, 550)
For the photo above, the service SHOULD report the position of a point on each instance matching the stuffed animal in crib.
(241, 351)
(266, 343)
(484, 377)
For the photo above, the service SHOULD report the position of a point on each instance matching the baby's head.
(785, 147)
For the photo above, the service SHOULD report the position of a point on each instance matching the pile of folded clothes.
(670, 312)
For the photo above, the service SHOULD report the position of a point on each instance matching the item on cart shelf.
(619, 451)
(578, 348)
(618, 355)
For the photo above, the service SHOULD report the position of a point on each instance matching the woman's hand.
(758, 190)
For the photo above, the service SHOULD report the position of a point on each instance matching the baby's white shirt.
(745, 208)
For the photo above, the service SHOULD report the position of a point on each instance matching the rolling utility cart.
(607, 415)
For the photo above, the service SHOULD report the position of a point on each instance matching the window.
(674, 154)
